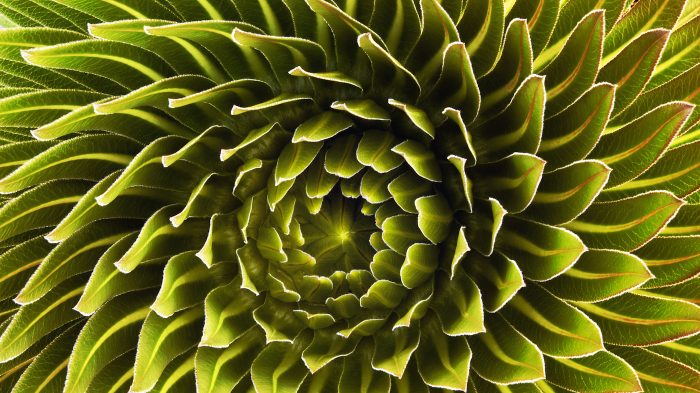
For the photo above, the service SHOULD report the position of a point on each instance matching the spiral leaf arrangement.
(349, 196)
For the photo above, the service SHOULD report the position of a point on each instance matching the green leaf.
(457, 303)
(517, 128)
(420, 159)
(632, 319)
(658, 373)
(383, 295)
(481, 28)
(48, 370)
(600, 372)
(681, 48)
(18, 263)
(322, 127)
(513, 180)
(207, 198)
(393, 349)
(107, 282)
(73, 256)
(642, 54)
(671, 260)
(125, 9)
(341, 159)
(400, 232)
(374, 150)
(325, 347)
(402, 84)
(228, 314)
(146, 169)
(497, 277)
(484, 225)
(574, 69)
(219, 370)
(36, 108)
(283, 52)
(406, 188)
(572, 133)
(158, 238)
(678, 171)
(186, 282)
(565, 193)
(651, 15)
(420, 264)
(456, 87)
(362, 108)
(294, 160)
(36, 320)
(434, 217)
(557, 328)
(437, 32)
(416, 116)
(42, 206)
(541, 18)
(358, 376)
(505, 356)
(279, 367)
(15, 154)
(136, 202)
(513, 66)
(546, 251)
(88, 157)
(160, 341)
(634, 148)
(684, 350)
(626, 224)
(127, 65)
(112, 331)
(278, 320)
(453, 355)
(600, 275)
(686, 222)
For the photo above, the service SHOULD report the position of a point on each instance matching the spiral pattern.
(351, 196)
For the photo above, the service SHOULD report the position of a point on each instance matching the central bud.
(338, 235)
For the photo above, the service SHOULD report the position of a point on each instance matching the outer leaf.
(557, 328)
(393, 349)
(575, 68)
(227, 314)
(678, 171)
(658, 373)
(513, 180)
(481, 28)
(160, 341)
(517, 128)
(18, 263)
(671, 259)
(111, 332)
(219, 370)
(497, 277)
(73, 256)
(34, 321)
(600, 372)
(545, 252)
(572, 133)
(89, 157)
(642, 320)
(599, 275)
(453, 355)
(565, 193)
(34, 109)
(632, 149)
(48, 370)
(107, 282)
(279, 368)
(682, 47)
(458, 305)
(631, 69)
(505, 355)
(359, 376)
(626, 224)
